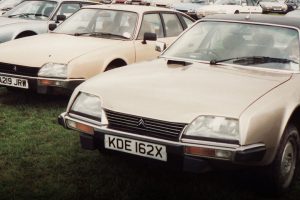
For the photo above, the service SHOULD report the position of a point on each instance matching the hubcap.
(288, 162)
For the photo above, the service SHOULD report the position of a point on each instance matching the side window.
(46, 10)
(173, 25)
(250, 2)
(187, 21)
(244, 2)
(151, 23)
(68, 9)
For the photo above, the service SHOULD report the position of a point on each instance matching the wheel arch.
(115, 63)
(295, 118)
(25, 34)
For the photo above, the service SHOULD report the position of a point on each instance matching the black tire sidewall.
(278, 182)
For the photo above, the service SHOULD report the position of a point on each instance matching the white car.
(273, 6)
(229, 7)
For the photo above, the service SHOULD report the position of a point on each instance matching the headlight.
(87, 105)
(53, 70)
(214, 127)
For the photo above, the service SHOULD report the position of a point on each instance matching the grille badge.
(141, 124)
(15, 68)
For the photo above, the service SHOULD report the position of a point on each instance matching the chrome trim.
(201, 142)
(204, 144)
(41, 78)
(85, 119)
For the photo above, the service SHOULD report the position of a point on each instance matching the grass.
(41, 160)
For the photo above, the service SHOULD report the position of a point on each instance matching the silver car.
(32, 17)
(6, 5)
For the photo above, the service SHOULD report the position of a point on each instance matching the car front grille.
(144, 126)
(19, 70)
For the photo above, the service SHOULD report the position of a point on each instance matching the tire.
(284, 169)
(236, 12)
(110, 67)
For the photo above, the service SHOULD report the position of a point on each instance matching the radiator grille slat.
(19, 69)
(144, 126)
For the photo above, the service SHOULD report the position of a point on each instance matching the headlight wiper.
(99, 34)
(254, 60)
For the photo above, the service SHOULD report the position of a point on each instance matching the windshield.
(9, 3)
(228, 2)
(241, 44)
(40, 10)
(89, 22)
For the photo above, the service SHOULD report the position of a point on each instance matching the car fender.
(265, 120)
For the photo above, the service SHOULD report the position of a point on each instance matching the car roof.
(132, 8)
(258, 18)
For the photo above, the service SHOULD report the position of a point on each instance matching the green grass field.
(41, 160)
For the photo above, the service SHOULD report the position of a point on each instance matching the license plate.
(145, 149)
(13, 82)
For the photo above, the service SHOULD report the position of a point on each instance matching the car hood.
(188, 6)
(37, 50)
(179, 93)
(7, 21)
(272, 4)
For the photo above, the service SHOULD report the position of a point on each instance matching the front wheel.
(284, 169)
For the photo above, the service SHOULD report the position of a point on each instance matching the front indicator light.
(207, 152)
(80, 127)
(199, 151)
(45, 82)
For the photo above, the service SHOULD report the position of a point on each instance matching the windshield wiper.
(27, 14)
(99, 34)
(254, 60)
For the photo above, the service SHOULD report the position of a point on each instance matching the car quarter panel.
(266, 119)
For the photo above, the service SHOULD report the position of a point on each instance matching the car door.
(167, 27)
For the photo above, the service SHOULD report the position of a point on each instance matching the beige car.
(226, 92)
(93, 40)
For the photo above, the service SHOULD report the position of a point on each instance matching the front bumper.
(46, 85)
(274, 10)
(176, 150)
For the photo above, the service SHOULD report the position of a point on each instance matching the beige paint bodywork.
(262, 100)
(85, 56)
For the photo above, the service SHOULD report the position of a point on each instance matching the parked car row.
(201, 95)
(201, 8)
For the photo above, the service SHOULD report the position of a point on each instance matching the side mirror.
(160, 46)
(52, 27)
(149, 36)
(60, 18)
